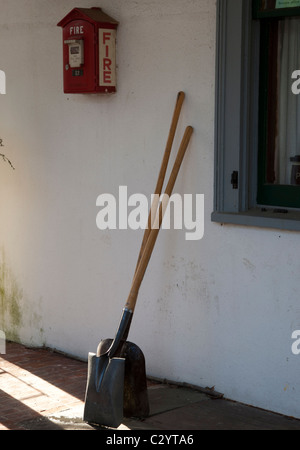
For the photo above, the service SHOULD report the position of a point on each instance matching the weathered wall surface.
(215, 312)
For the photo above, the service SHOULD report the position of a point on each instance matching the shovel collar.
(122, 331)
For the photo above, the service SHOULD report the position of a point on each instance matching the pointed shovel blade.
(104, 391)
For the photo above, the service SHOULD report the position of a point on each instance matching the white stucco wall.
(217, 312)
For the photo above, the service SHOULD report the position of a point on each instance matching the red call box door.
(82, 77)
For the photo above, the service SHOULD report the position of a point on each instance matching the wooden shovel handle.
(163, 169)
(140, 272)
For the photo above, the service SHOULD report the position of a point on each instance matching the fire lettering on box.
(107, 57)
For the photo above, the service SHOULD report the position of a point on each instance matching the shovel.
(105, 384)
(136, 403)
(104, 402)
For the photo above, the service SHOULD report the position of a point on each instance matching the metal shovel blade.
(136, 402)
(104, 391)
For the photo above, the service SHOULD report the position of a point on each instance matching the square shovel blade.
(104, 402)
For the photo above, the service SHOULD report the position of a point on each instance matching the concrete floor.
(44, 390)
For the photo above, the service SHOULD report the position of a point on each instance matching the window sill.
(258, 217)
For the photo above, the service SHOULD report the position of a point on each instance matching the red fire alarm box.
(89, 51)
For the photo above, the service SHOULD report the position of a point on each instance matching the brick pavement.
(44, 390)
(35, 383)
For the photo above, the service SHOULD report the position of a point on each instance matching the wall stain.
(17, 313)
(11, 296)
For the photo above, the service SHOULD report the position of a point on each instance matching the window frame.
(236, 122)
